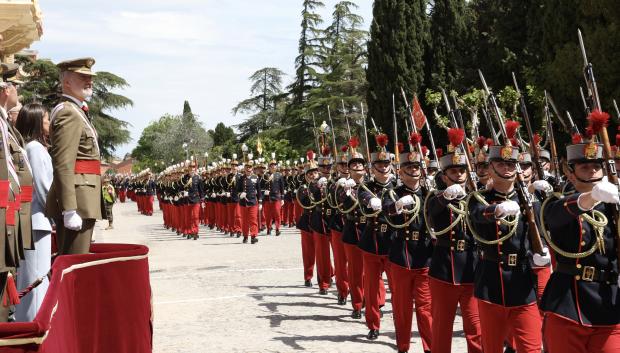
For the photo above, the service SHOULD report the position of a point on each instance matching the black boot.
(245, 239)
(277, 233)
(238, 235)
(254, 240)
(269, 231)
(323, 291)
(356, 314)
(373, 335)
(308, 283)
(342, 300)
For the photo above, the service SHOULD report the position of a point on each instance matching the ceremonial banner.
(418, 115)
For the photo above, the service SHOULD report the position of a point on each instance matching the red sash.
(84, 166)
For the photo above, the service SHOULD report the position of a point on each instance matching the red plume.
(511, 128)
(326, 151)
(576, 138)
(598, 120)
(415, 138)
(617, 139)
(490, 142)
(310, 155)
(439, 152)
(481, 141)
(456, 136)
(354, 142)
(400, 147)
(537, 139)
(589, 132)
(424, 150)
(382, 140)
(344, 148)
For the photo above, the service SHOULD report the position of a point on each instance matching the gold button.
(500, 243)
(500, 253)
(583, 243)
(452, 248)
(498, 222)
(453, 232)
(406, 232)
(583, 231)
(499, 232)
(356, 223)
(578, 266)
(578, 277)
(565, 204)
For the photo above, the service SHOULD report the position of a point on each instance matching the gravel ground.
(216, 294)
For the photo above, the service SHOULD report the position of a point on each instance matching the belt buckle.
(415, 235)
(512, 260)
(363, 219)
(460, 245)
(329, 212)
(383, 228)
(588, 273)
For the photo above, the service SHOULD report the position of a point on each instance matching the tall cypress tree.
(398, 36)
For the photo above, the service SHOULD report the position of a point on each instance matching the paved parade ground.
(216, 294)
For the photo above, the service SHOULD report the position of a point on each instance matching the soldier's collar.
(502, 195)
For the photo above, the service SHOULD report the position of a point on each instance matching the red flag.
(418, 115)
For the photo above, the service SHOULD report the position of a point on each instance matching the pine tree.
(398, 37)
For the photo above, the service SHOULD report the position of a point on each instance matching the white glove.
(185, 193)
(404, 201)
(266, 192)
(176, 198)
(350, 183)
(542, 185)
(342, 182)
(375, 203)
(542, 260)
(260, 207)
(605, 192)
(507, 208)
(281, 202)
(72, 220)
(242, 195)
(227, 194)
(213, 195)
(453, 191)
(322, 182)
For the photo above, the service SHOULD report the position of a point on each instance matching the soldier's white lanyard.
(9, 159)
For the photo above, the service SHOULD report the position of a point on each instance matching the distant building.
(123, 167)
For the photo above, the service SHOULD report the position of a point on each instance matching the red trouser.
(340, 264)
(237, 218)
(194, 217)
(230, 216)
(374, 288)
(307, 254)
(323, 259)
(446, 298)
(289, 212)
(218, 215)
(543, 274)
(355, 273)
(409, 287)
(566, 336)
(149, 205)
(272, 211)
(211, 214)
(249, 220)
(497, 321)
(122, 195)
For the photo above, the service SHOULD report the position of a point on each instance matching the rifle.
(617, 111)
(593, 97)
(331, 125)
(423, 171)
(396, 152)
(489, 122)
(524, 194)
(471, 181)
(552, 148)
(316, 137)
(344, 112)
(365, 135)
(534, 151)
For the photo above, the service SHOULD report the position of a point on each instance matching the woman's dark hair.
(30, 123)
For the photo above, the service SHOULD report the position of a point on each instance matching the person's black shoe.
(245, 239)
(342, 300)
(232, 234)
(269, 231)
(323, 291)
(403, 351)
(238, 235)
(373, 335)
(277, 233)
(308, 283)
(188, 236)
(380, 313)
(254, 240)
(356, 314)
(509, 349)
(195, 236)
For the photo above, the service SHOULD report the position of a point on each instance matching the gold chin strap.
(511, 221)
(598, 221)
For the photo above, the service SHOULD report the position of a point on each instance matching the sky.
(170, 51)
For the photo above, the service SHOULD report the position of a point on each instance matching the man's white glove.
(281, 202)
(453, 191)
(72, 220)
(322, 182)
(260, 207)
(266, 192)
(375, 203)
(542, 260)
(605, 192)
(350, 183)
(213, 195)
(227, 194)
(507, 208)
(243, 195)
(542, 185)
(185, 193)
(404, 201)
(342, 182)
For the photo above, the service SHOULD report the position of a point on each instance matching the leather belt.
(510, 260)
(587, 273)
(87, 166)
(454, 244)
